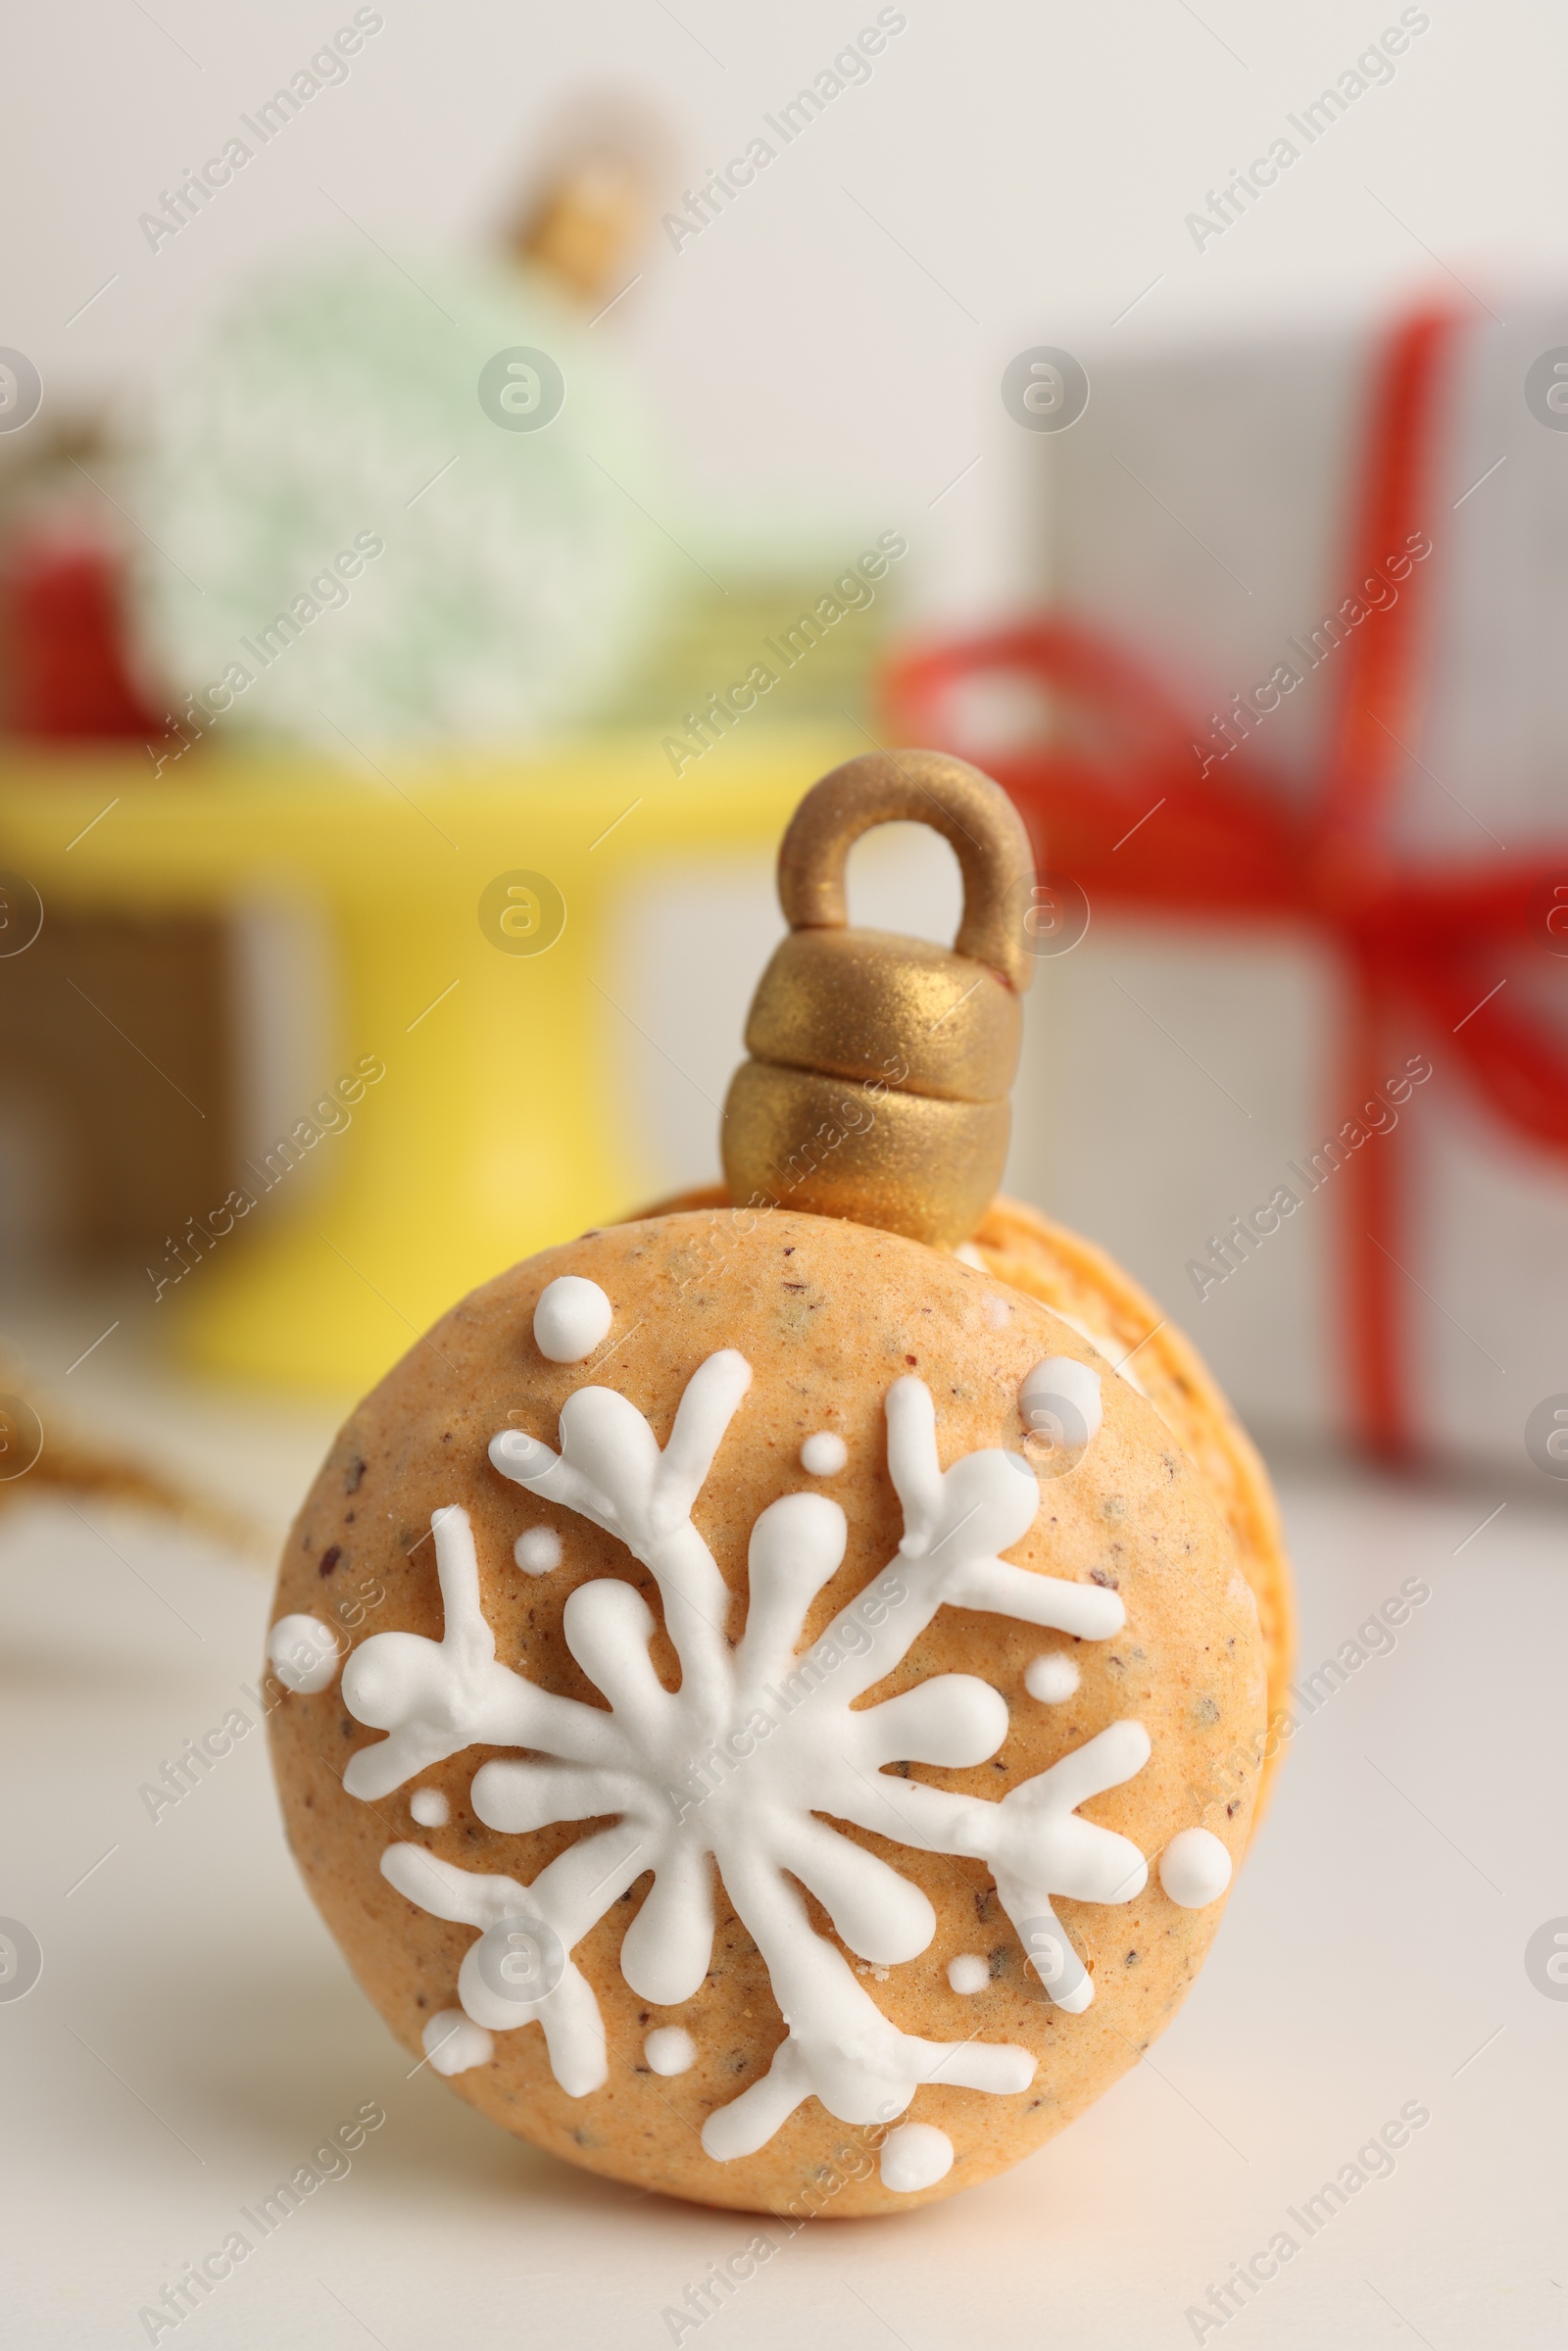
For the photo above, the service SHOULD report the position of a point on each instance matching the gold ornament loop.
(972, 815)
(876, 1087)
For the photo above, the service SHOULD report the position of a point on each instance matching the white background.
(1037, 163)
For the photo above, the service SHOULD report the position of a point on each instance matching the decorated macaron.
(817, 1704)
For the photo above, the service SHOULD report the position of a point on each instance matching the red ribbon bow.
(1431, 936)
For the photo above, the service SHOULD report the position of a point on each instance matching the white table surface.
(194, 2034)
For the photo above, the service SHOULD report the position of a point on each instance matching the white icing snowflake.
(736, 1769)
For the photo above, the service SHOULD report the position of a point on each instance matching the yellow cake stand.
(491, 1134)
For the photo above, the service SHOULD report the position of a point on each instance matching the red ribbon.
(1431, 938)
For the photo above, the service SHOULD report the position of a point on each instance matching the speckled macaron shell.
(1073, 1277)
(829, 1315)
(1085, 1283)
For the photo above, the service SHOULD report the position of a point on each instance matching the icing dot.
(429, 1808)
(1194, 1868)
(671, 2050)
(537, 1550)
(1059, 1402)
(1050, 1679)
(570, 1319)
(916, 2155)
(453, 2042)
(304, 1653)
(824, 1455)
(998, 1314)
(968, 1973)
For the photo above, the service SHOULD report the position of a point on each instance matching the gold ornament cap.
(880, 1065)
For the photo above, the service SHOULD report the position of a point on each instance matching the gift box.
(1288, 735)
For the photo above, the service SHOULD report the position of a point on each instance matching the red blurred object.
(67, 677)
(1432, 935)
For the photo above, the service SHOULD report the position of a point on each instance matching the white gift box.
(1203, 515)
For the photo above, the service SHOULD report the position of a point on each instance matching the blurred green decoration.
(711, 637)
(399, 509)
(413, 511)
